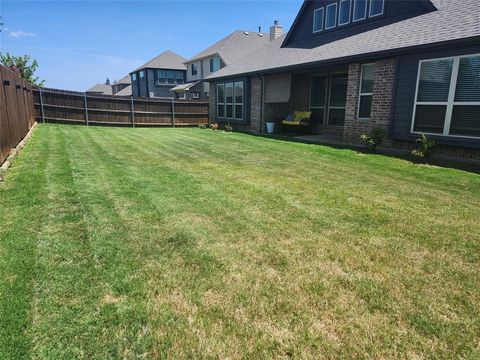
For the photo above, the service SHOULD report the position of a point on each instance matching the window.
(230, 100)
(182, 96)
(171, 77)
(195, 95)
(318, 97)
(376, 7)
(331, 19)
(344, 12)
(318, 20)
(134, 77)
(161, 77)
(359, 10)
(194, 68)
(238, 94)
(214, 64)
(142, 74)
(221, 100)
(448, 97)
(338, 99)
(179, 77)
(366, 91)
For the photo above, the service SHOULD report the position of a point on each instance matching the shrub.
(214, 126)
(425, 147)
(202, 126)
(228, 128)
(375, 138)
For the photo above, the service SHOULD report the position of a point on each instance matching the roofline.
(194, 60)
(294, 23)
(346, 59)
(152, 68)
(427, 3)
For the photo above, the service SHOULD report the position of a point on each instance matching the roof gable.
(456, 23)
(234, 46)
(301, 33)
(166, 60)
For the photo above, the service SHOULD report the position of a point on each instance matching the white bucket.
(270, 127)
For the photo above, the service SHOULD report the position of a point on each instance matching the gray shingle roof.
(454, 20)
(102, 89)
(235, 46)
(125, 80)
(125, 92)
(166, 60)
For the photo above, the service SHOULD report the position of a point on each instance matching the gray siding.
(302, 35)
(404, 97)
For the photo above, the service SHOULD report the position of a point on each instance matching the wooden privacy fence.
(17, 114)
(64, 106)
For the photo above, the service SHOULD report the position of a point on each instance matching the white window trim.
(233, 103)
(323, 19)
(335, 17)
(141, 74)
(349, 13)
(371, 7)
(182, 96)
(228, 103)
(366, 11)
(195, 95)
(235, 100)
(450, 103)
(360, 94)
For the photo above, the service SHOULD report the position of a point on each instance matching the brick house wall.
(256, 104)
(383, 83)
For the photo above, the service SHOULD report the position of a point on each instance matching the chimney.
(107, 82)
(276, 30)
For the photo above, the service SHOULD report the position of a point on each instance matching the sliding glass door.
(318, 98)
(328, 98)
(338, 99)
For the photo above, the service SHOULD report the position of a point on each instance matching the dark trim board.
(246, 102)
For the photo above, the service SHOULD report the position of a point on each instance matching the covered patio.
(308, 103)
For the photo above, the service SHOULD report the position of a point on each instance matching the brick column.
(256, 104)
(383, 82)
(212, 108)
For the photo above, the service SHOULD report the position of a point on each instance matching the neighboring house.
(159, 75)
(125, 92)
(122, 84)
(100, 89)
(225, 52)
(410, 67)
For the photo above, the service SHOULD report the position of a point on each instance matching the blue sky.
(80, 43)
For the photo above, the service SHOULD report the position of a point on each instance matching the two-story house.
(225, 52)
(410, 67)
(122, 87)
(158, 76)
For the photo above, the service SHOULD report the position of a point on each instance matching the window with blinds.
(448, 97)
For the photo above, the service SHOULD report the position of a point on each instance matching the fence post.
(86, 107)
(133, 112)
(173, 112)
(41, 106)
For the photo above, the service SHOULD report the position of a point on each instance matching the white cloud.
(19, 34)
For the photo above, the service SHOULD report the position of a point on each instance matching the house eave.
(353, 58)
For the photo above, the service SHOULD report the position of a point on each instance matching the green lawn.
(189, 243)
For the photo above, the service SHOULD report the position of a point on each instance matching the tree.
(20, 64)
